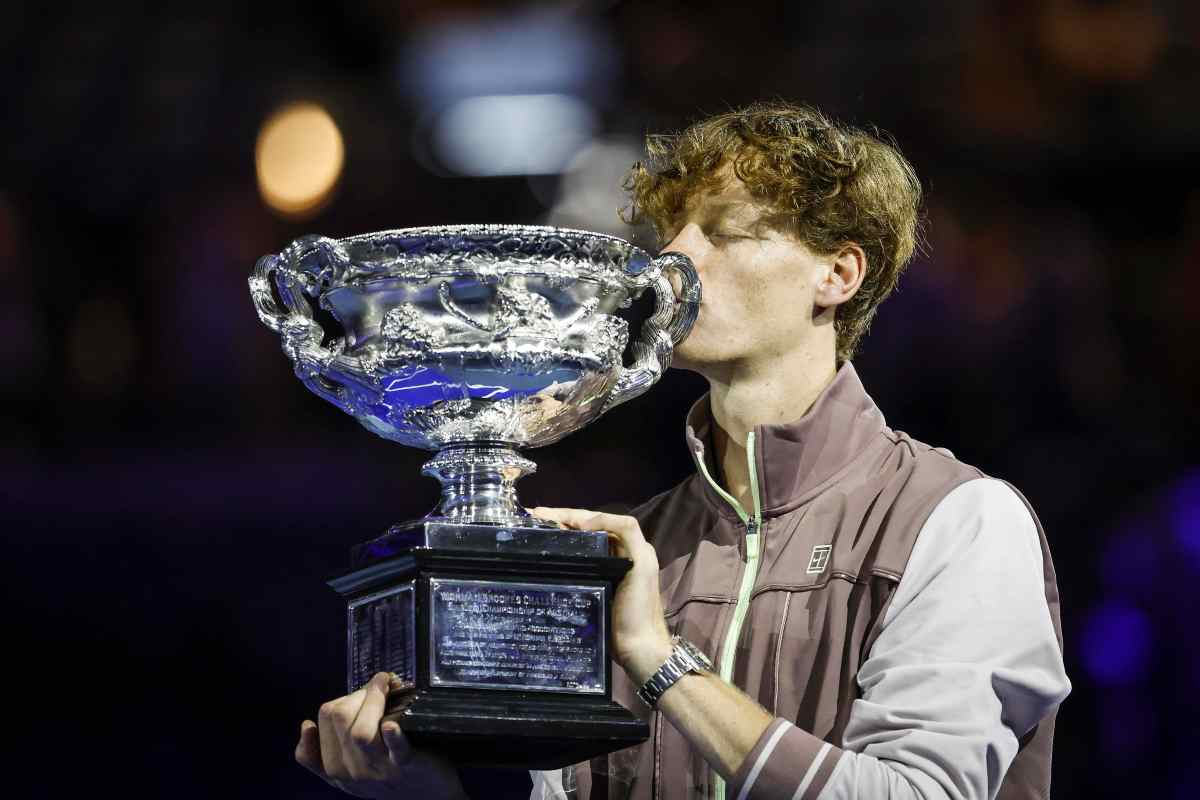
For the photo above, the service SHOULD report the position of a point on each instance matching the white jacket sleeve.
(966, 662)
(547, 785)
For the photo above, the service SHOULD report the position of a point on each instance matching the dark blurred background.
(173, 498)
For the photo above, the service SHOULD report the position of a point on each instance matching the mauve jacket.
(787, 599)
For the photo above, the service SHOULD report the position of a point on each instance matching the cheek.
(729, 310)
(726, 305)
(781, 315)
(786, 302)
(767, 298)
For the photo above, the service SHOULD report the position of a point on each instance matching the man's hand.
(351, 751)
(641, 642)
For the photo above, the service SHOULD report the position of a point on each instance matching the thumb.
(396, 742)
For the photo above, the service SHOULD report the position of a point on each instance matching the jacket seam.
(872, 632)
(849, 577)
(787, 603)
(657, 754)
(704, 598)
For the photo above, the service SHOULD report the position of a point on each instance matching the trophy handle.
(671, 321)
(300, 333)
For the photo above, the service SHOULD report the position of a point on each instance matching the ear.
(841, 277)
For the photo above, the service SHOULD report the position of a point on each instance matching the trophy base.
(500, 637)
(436, 533)
(520, 731)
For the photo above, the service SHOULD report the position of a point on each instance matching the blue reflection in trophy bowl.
(473, 339)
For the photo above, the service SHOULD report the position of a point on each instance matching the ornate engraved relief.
(407, 324)
(520, 311)
(482, 333)
(488, 251)
(608, 338)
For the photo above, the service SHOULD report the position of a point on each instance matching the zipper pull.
(751, 539)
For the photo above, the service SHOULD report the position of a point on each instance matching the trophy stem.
(479, 484)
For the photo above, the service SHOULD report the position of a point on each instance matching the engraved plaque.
(507, 635)
(381, 636)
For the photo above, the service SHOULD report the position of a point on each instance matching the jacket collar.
(795, 460)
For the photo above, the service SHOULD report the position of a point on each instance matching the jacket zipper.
(753, 523)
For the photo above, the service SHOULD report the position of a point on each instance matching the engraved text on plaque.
(507, 635)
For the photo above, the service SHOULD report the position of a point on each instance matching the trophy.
(478, 341)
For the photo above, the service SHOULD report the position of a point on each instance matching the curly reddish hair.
(824, 182)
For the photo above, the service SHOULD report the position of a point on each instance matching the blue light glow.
(538, 51)
(1116, 643)
(1185, 516)
(535, 134)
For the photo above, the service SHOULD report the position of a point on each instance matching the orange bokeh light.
(298, 159)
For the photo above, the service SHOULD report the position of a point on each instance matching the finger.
(308, 749)
(571, 517)
(364, 733)
(346, 711)
(396, 742)
(618, 546)
(624, 532)
(568, 517)
(332, 720)
(627, 528)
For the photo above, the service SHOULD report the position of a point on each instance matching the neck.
(746, 395)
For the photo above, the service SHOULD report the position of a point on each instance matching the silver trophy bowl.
(475, 341)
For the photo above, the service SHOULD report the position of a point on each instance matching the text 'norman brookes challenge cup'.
(476, 341)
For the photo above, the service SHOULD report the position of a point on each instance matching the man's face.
(759, 283)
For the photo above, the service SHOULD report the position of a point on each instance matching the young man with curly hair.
(827, 608)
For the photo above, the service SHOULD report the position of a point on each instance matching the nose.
(690, 241)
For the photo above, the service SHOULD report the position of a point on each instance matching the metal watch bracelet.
(685, 657)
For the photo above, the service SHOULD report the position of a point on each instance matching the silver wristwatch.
(685, 657)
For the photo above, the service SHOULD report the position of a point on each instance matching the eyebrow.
(712, 210)
(725, 205)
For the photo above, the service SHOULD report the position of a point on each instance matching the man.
(881, 619)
